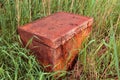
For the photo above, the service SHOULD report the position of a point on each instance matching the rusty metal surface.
(69, 50)
(56, 29)
(58, 38)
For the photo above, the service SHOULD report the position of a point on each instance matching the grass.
(99, 55)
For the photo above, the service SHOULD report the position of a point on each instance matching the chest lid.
(57, 28)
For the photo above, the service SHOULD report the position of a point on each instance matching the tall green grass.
(17, 64)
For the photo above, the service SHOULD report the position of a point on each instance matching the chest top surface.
(56, 27)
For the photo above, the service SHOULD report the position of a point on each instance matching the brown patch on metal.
(56, 38)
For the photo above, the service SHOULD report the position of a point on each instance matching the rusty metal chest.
(56, 39)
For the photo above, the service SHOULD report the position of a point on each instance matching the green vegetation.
(100, 53)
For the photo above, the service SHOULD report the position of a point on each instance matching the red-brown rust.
(56, 38)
